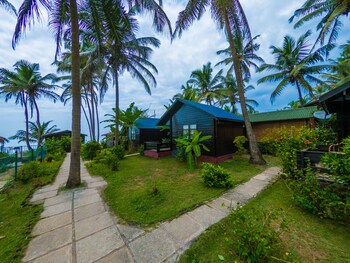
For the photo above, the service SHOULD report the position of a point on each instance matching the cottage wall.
(260, 129)
(226, 132)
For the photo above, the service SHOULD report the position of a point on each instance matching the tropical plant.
(229, 15)
(330, 11)
(295, 65)
(193, 147)
(208, 85)
(248, 57)
(37, 132)
(8, 6)
(229, 95)
(215, 176)
(26, 85)
(188, 93)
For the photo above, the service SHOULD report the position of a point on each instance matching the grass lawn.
(18, 217)
(147, 190)
(309, 239)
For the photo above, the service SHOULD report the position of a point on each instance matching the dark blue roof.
(216, 112)
(147, 123)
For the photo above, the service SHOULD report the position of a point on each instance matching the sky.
(175, 61)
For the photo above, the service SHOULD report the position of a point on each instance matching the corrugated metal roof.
(216, 112)
(300, 113)
(147, 123)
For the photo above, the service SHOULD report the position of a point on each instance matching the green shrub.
(119, 151)
(142, 150)
(216, 176)
(65, 142)
(325, 200)
(107, 157)
(239, 142)
(29, 171)
(255, 237)
(57, 147)
(90, 149)
(339, 166)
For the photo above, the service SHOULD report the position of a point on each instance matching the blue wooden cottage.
(184, 116)
(146, 131)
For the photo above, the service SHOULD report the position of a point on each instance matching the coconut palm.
(246, 52)
(296, 66)
(8, 6)
(229, 15)
(37, 132)
(26, 85)
(208, 86)
(188, 93)
(229, 95)
(330, 11)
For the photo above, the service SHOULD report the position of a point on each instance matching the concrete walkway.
(76, 225)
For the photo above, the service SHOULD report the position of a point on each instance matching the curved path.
(76, 225)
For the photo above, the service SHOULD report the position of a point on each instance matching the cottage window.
(188, 130)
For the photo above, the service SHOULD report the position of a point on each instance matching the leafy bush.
(255, 237)
(239, 142)
(339, 166)
(107, 157)
(216, 176)
(142, 150)
(119, 151)
(90, 149)
(325, 200)
(57, 147)
(28, 171)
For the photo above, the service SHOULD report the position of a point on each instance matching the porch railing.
(157, 146)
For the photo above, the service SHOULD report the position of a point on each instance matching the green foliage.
(193, 147)
(142, 150)
(216, 176)
(286, 141)
(325, 200)
(107, 157)
(35, 169)
(58, 146)
(255, 235)
(90, 149)
(118, 151)
(239, 142)
(339, 166)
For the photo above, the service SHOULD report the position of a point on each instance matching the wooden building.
(146, 130)
(58, 135)
(338, 101)
(184, 116)
(262, 122)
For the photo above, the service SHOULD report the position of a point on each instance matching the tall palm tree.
(330, 11)
(26, 85)
(229, 95)
(37, 132)
(296, 66)
(229, 15)
(208, 85)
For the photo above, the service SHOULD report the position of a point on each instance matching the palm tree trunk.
(97, 121)
(37, 112)
(86, 100)
(93, 126)
(255, 154)
(116, 133)
(87, 119)
(300, 94)
(74, 169)
(27, 120)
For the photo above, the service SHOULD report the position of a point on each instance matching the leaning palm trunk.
(74, 169)
(116, 133)
(255, 154)
(37, 112)
(97, 121)
(299, 94)
(27, 122)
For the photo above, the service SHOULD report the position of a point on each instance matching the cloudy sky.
(175, 61)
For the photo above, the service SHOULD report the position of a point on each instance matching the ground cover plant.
(307, 239)
(17, 216)
(146, 190)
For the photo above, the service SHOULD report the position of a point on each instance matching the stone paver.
(76, 225)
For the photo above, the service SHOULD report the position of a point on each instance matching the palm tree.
(26, 85)
(207, 85)
(8, 6)
(296, 66)
(188, 93)
(331, 12)
(37, 132)
(229, 95)
(229, 15)
(247, 55)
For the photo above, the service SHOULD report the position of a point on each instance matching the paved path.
(76, 225)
